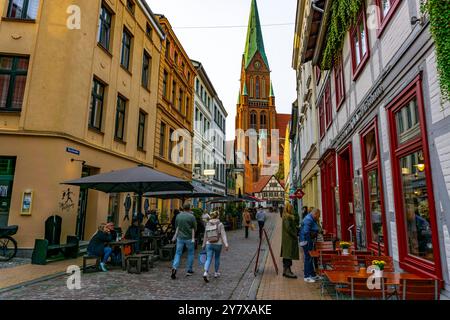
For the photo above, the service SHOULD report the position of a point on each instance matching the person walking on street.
(308, 234)
(289, 242)
(281, 209)
(247, 221)
(213, 240)
(186, 226)
(261, 217)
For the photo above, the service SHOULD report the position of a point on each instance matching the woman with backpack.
(213, 240)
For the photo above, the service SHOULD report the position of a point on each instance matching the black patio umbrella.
(197, 192)
(139, 180)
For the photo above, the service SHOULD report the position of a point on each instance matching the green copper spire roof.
(244, 90)
(239, 99)
(271, 90)
(255, 40)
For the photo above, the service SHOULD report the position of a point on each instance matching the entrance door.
(7, 169)
(82, 206)
(345, 164)
(328, 173)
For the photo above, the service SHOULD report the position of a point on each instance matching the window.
(149, 30)
(13, 78)
(146, 70)
(114, 208)
(174, 92)
(263, 121)
(168, 48)
(413, 188)
(171, 144)
(130, 6)
(120, 118)
(359, 44)
(126, 49)
(339, 83)
(328, 105)
(180, 100)
(321, 117)
(104, 30)
(188, 101)
(251, 87)
(253, 120)
(165, 80)
(162, 139)
(175, 60)
(373, 190)
(96, 108)
(385, 12)
(257, 88)
(197, 86)
(141, 129)
(263, 88)
(23, 9)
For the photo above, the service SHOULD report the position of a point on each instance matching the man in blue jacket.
(308, 234)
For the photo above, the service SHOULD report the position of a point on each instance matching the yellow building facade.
(83, 102)
(174, 118)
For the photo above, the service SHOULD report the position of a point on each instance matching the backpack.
(212, 232)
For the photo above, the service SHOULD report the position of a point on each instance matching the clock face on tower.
(257, 65)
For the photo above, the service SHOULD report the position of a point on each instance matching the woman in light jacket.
(213, 240)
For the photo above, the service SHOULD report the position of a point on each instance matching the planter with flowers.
(380, 267)
(345, 246)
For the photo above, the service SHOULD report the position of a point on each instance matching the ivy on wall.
(343, 15)
(439, 13)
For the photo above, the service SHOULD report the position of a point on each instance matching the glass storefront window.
(408, 122)
(375, 206)
(371, 146)
(416, 208)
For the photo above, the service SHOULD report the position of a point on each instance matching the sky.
(198, 25)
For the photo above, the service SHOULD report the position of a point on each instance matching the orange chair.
(419, 289)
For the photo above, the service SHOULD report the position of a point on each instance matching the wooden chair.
(389, 267)
(423, 289)
(329, 237)
(324, 245)
(358, 288)
(325, 259)
(362, 256)
(345, 263)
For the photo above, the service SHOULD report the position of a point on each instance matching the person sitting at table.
(152, 222)
(134, 233)
(97, 245)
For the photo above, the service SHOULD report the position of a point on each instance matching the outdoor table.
(122, 244)
(393, 278)
(154, 239)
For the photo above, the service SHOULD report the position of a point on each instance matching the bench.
(86, 258)
(44, 253)
(167, 252)
(138, 263)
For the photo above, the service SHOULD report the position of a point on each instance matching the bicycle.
(8, 246)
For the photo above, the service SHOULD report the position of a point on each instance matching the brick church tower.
(255, 106)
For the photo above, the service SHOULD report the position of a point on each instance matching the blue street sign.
(72, 150)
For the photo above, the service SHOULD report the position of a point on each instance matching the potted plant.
(380, 264)
(345, 247)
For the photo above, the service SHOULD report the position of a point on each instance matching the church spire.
(255, 42)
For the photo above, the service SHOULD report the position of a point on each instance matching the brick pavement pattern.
(235, 282)
(275, 287)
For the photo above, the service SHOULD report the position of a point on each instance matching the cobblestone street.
(237, 281)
